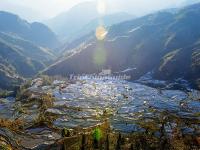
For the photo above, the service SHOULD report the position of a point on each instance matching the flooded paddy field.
(100, 114)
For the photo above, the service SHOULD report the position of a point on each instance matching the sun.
(101, 32)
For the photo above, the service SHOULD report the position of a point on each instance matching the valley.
(63, 85)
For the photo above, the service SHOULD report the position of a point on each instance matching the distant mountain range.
(24, 49)
(166, 43)
(20, 58)
(68, 23)
(81, 20)
(106, 21)
(86, 30)
(189, 2)
(27, 48)
(35, 32)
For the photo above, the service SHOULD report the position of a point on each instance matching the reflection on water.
(129, 107)
(88, 102)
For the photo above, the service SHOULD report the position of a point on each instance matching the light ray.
(101, 7)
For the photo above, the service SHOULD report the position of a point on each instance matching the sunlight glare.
(100, 55)
(101, 33)
(101, 7)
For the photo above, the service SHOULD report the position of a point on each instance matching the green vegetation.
(97, 134)
(5, 147)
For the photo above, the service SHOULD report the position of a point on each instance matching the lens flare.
(100, 55)
(101, 33)
(101, 7)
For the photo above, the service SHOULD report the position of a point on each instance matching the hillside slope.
(147, 43)
(68, 23)
(35, 32)
(82, 19)
(24, 49)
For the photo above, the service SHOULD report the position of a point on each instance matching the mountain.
(35, 32)
(20, 58)
(82, 34)
(24, 49)
(68, 23)
(28, 48)
(25, 12)
(81, 20)
(107, 21)
(165, 43)
(8, 77)
(189, 2)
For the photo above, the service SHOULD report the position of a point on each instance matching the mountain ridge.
(81, 19)
(36, 32)
(142, 43)
(23, 54)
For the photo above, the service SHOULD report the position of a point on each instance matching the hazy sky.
(43, 9)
